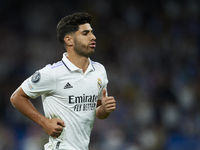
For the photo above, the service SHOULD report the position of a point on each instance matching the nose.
(93, 37)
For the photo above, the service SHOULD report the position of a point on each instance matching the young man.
(73, 90)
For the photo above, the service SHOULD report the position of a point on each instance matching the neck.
(79, 61)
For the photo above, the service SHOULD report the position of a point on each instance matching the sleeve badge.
(36, 77)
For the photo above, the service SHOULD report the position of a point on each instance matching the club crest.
(36, 77)
(99, 83)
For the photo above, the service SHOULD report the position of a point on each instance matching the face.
(84, 41)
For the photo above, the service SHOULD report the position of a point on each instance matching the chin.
(90, 54)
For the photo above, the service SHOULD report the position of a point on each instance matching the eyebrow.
(87, 31)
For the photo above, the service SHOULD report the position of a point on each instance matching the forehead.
(85, 26)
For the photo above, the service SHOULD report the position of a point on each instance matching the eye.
(85, 33)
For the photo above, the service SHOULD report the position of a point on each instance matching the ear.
(69, 40)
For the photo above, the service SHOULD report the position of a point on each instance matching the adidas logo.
(68, 85)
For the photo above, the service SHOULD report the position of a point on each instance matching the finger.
(110, 106)
(55, 135)
(110, 98)
(61, 124)
(111, 109)
(104, 93)
(56, 132)
(110, 102)
(59, 128)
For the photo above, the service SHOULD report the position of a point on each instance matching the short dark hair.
(70, 24)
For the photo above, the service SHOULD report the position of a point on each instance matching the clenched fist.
(53, 127)
(108, 103)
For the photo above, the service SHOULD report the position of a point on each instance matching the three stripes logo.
(68, 85)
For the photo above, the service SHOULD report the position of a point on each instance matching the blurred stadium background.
(151, 49)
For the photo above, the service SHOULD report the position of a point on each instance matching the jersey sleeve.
(104, 85)
(41, 82)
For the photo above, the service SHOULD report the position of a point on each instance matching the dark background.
(151, 50)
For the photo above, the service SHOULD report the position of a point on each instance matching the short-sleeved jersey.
(70, 95)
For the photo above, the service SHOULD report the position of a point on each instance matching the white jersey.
(70, 95)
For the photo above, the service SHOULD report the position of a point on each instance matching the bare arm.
(20, 101)
(105, 106)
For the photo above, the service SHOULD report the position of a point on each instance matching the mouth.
(92, 44)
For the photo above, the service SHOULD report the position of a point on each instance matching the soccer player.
(73, 90)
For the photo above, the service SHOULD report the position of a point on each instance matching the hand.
(53, 127)
(108, 103)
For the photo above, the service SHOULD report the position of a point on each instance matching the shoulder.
(97, 65)
(50, 70)
(55, 67)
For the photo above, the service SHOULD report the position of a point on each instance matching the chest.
(77, 84)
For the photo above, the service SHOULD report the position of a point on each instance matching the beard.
(81, 49)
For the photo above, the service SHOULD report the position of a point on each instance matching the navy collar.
(71, 67)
